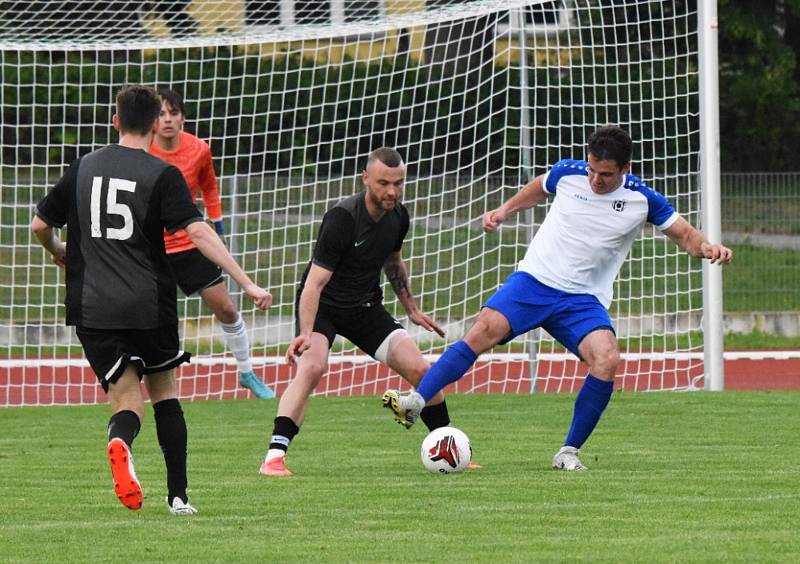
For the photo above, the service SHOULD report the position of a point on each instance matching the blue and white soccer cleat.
(250, 381)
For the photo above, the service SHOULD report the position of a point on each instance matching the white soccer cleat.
(405, 408)
(567, 459)
(178, 507)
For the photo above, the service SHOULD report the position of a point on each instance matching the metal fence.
(761, 221)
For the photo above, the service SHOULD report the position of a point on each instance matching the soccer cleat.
(275, 467)
(567, 459)
(473, 465)
(180, 507)
(405, 408)
(126, 485)
(251, 382)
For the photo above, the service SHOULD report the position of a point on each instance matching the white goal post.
(478, 95)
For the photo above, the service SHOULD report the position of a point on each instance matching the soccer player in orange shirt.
(194, 273)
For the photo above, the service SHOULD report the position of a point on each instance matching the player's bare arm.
(692, 241)
(317, 278)
(395, 270)
(212, 247)
(49, 240)
(531, 195)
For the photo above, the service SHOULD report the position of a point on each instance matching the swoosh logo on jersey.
(359, 243)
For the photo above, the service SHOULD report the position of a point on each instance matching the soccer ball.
(446, 450)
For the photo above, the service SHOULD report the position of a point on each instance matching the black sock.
(283, 432)
(435, 416)
(172, 437)
(124, 425)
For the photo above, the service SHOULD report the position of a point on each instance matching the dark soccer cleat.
(126, 485)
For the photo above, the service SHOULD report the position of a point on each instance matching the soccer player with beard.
(340, 294)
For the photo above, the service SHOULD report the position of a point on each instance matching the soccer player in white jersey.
(564, 283)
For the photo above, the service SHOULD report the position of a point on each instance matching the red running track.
(47, 385)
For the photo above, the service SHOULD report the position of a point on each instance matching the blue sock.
(451, 366)
(589, 406)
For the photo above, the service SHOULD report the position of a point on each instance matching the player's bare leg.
(406, 359)
(489, 328)
(172, 437)
(127, 406)
(311, 366)
(600, 352)
(219, 301)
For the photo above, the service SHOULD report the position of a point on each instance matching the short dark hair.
(173, 99)
(610, 143)
(387, 156)
(138, 107)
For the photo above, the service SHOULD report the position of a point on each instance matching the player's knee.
(311, 372)
(226, 313)
(606, 363)
(483, 335)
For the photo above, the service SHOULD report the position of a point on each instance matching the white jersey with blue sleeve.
(585, 236)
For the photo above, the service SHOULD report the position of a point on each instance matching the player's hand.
(493, 219)
(716, 253)
(297, 347)
(423, 320)
(60, 256)
(260, 296)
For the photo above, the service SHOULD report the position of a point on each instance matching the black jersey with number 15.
(354, 247)
(116, 201)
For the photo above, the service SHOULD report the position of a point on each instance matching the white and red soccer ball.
(446, 450)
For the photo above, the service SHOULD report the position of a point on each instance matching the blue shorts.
(528, 304)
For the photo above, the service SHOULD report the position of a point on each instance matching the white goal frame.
(529, 47)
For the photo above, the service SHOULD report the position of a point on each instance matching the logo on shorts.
(618, 205)
(359, 243)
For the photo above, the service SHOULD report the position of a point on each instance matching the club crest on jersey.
(618, 205)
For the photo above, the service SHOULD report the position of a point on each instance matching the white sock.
(275, 453)
(238, 343)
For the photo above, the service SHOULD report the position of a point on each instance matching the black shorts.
(365, 326)
(110, 351)
(193, 271)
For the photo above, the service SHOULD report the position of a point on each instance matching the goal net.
(479, 96)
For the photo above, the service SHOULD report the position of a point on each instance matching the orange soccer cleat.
(275, 467)
(126, 485)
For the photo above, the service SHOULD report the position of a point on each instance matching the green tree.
(759, 94)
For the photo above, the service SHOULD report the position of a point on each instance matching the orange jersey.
(193, 159)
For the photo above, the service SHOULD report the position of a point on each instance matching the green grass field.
(674, 477)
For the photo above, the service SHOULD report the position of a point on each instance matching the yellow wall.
(213, 16)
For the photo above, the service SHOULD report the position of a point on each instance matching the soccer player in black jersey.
(340, 294)
(121, 297)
